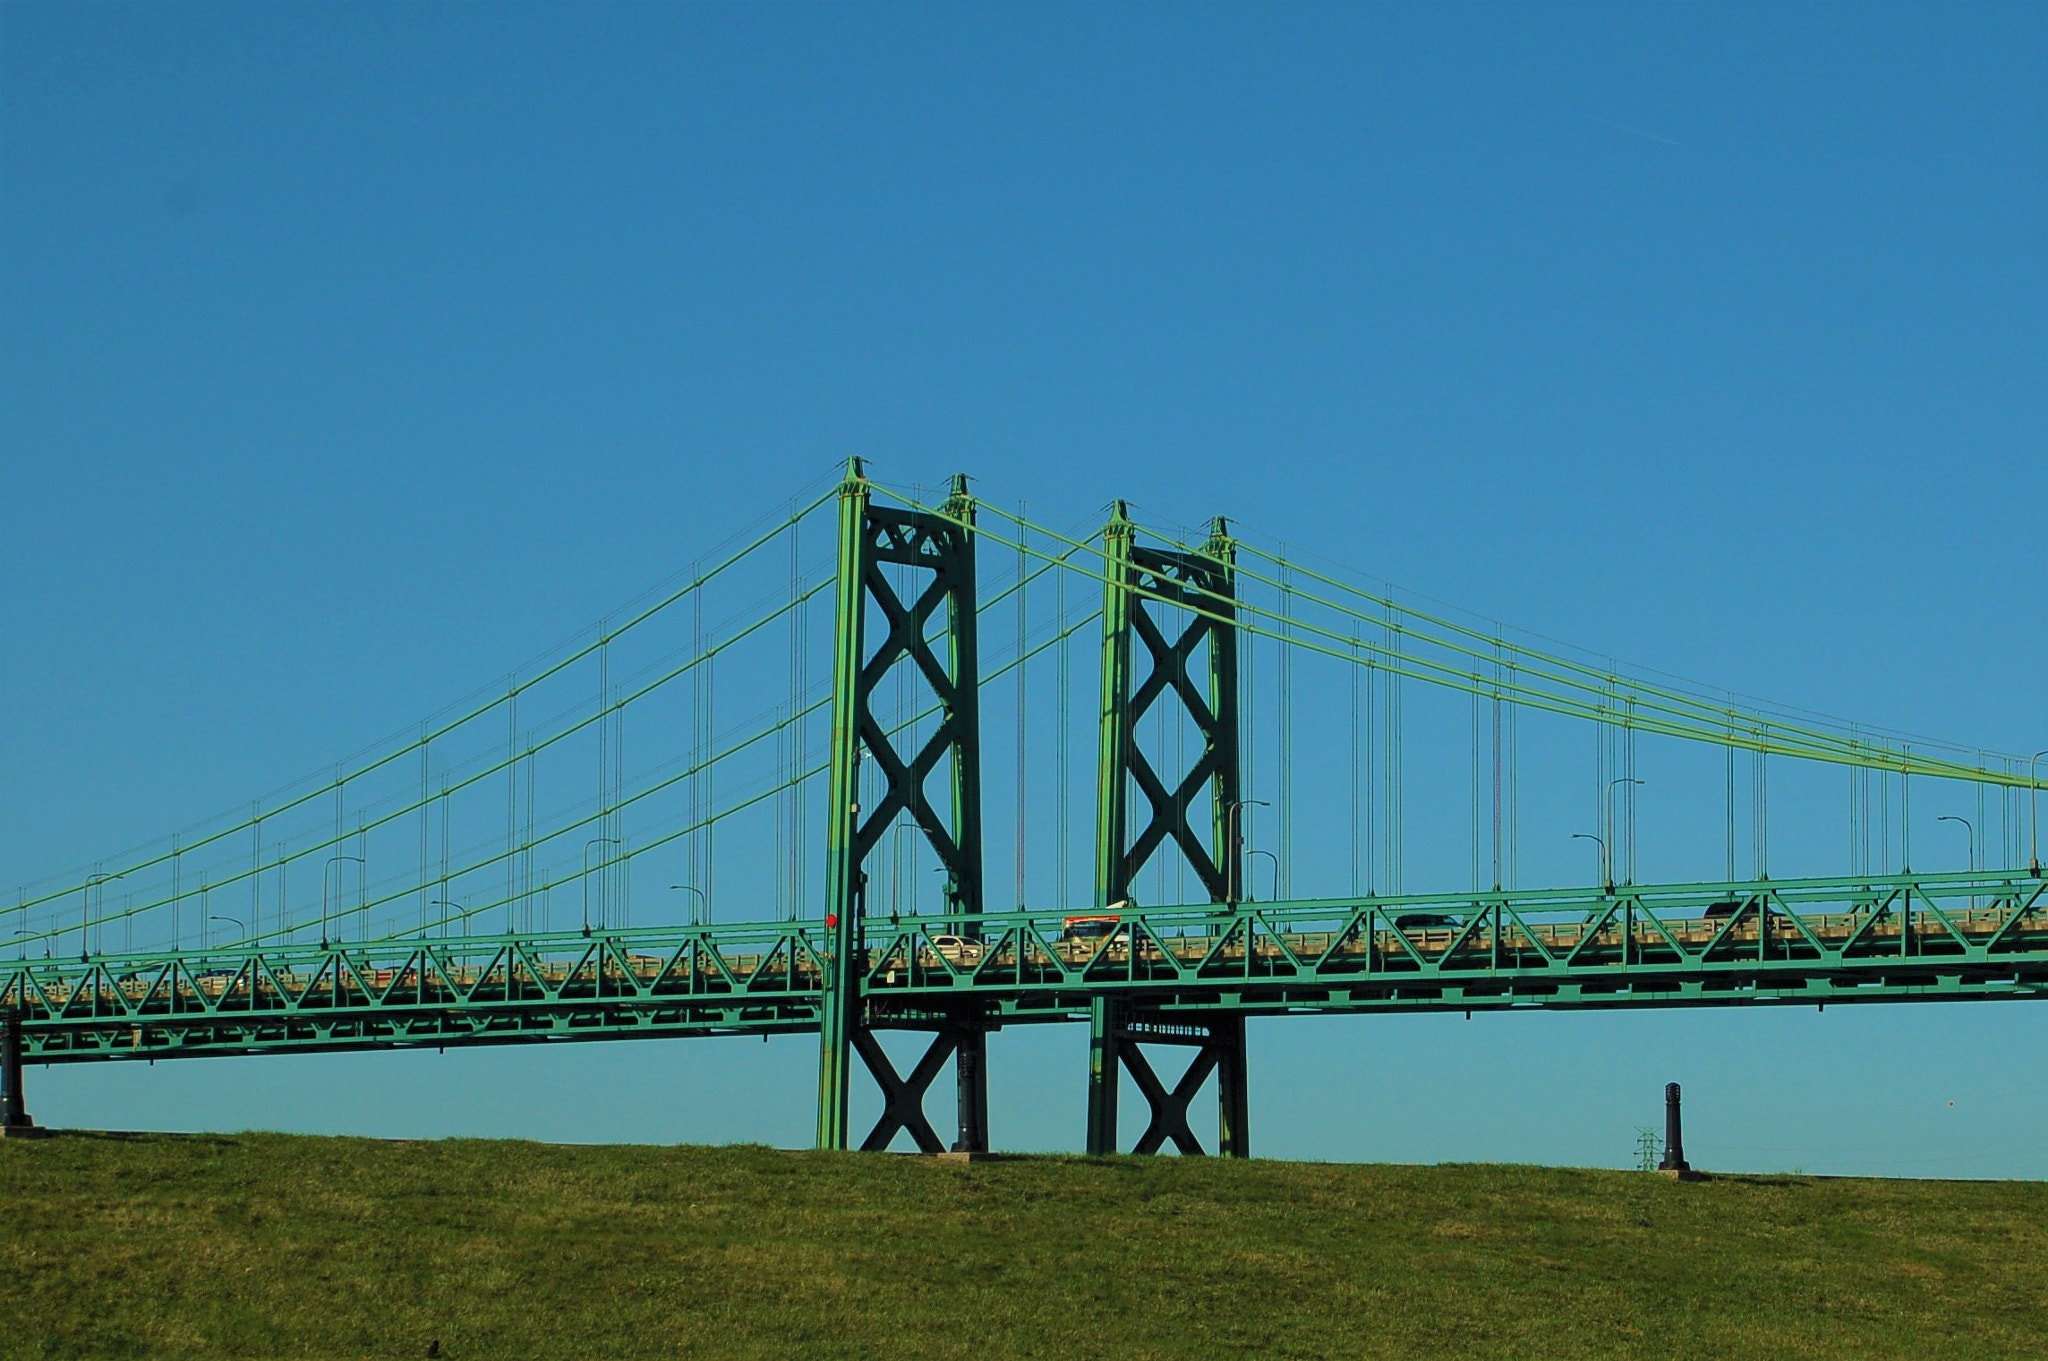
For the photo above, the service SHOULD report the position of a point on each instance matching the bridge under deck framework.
(1140, 978)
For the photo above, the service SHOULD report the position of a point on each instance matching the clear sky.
(349, 355)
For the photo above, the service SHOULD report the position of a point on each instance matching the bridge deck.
(1808, 941)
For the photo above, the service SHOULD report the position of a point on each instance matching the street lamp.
(362, 869)
(1606, 867)
(692, 888)
(95, 881)
(236, 920)
(1972, 831)
(444, 902)
(594, 841)
(2034, 804)
(1276, 871)
(1233, 829)
(1607, 802)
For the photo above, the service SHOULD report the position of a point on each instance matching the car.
(958, 949)
(1426, 921)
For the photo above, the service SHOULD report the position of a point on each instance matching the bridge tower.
(936, 552)
(1140, 584)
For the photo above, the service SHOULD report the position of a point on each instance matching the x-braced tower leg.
(1219, 1048)
(1146, 591)
(934, 554)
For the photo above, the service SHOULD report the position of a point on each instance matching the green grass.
(275, 1246)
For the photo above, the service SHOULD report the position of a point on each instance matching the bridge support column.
(1114, 1049)
(970, 1065)
(1176, 612)
(897, 570)
(1105, 1071)
(965, 1041)
(14, 1116)
(1233, 1094)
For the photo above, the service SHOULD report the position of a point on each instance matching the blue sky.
(349, 355)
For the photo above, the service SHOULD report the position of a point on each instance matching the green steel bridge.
(844, 930)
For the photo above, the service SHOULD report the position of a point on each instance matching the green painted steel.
(1946, 937)
(935, 552)
(843, 875)
(1141, 977)
(1142, 584)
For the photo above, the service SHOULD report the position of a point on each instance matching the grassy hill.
(276, 1246)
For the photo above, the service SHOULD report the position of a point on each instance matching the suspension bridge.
(831, 716)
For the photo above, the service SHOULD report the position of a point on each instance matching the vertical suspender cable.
(710, 821)
(1023, 630)
(526, 841)
(444, 858)
(623, 873)
(1396, 723)
(1884, 811)
(1728, 798)
(1248, 698)
(1628, 790)
(604, 779)
(1353, 677)
(791, 870)
(1855, 849)
(1603, 750)
(1062, 831)
(256, 864)
(1905, 811)
(801, 812)
(426, 803)
(1475, 829)
(1496, 775)
(1371, 831)
(1284, 679)
(1760, 800)
(1983, 759)
(511, 804)
(1514, 803)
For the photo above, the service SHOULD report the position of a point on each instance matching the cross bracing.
(762, 800)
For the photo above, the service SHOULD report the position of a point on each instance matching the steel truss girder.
(1902, 938)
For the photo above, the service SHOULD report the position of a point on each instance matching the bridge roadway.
(1907, 937)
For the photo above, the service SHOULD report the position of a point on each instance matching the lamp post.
(692, 888)
(1233, 826)
(96, 881)
(594, 841)
(362, 870)
(1967, 828)
(1276, 870)
(1607, 803)
(2034, 804)
(446, 902)
(1606, 867)
(1972, 845)
(236, 920)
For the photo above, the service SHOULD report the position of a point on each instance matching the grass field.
(274, 1246)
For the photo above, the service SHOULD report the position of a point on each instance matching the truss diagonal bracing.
(932, 557)
(902, 794)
